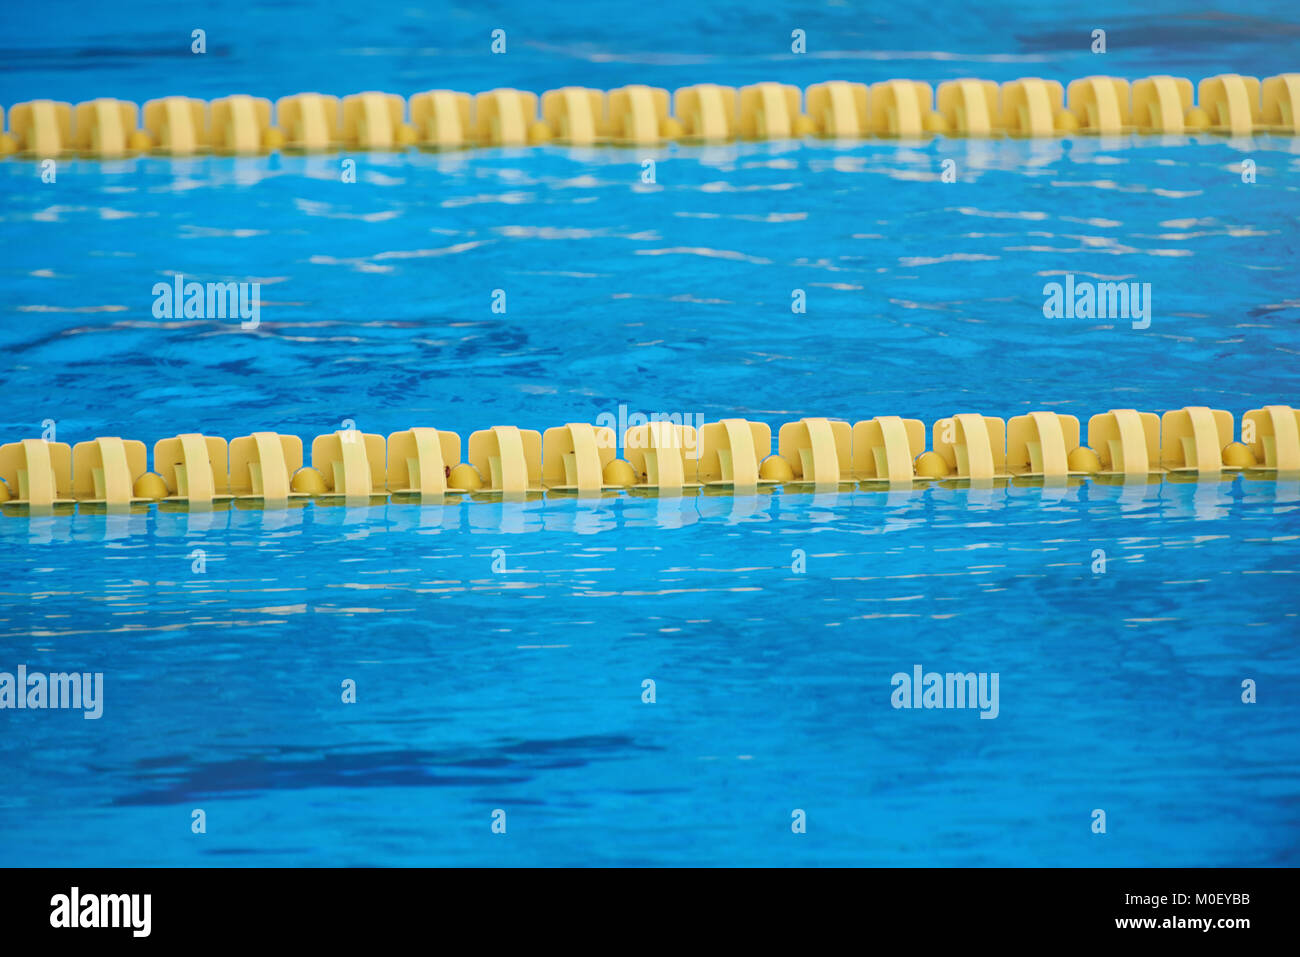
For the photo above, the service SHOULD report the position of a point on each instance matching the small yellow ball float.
(1065, 121)
(803, 126)
(935, 123)
(621, 473)
(273, 138)
(308, 481)
(931, 465)
(150, 485)
(1083, 459)
(1196, 119)
(4, 491)
(406, 134)
(8, 144)
(1239, 456)
(775, 469)
(539, 132)
(464, 478)
(670, 129)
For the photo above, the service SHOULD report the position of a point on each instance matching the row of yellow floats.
(445, 119)
(505, 462)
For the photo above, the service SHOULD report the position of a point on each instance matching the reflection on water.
(922, 296)
(499, 652)
(500, 648)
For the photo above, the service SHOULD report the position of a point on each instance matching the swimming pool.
(499, 651)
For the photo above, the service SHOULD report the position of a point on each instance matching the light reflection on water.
(500, 648)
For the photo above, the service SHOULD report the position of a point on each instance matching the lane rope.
(1229, 103)
(662, 455)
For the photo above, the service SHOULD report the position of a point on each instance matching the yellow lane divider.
(445, 119)
(504, 462)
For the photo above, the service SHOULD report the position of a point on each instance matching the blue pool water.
(499, 650)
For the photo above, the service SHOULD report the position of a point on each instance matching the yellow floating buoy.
(4, 491)
(273, 138)
(150, 485)
(308, 481)
(1196, 119)
(931, 465)
(1065, 121)
(936, 123)
(465, 478)
(618, 472)
(670, 129)
(775, 469)
(7, 144)
(539, 132)
(406, 134)
(1239, 456)
(1083, 459)
(802, 125)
